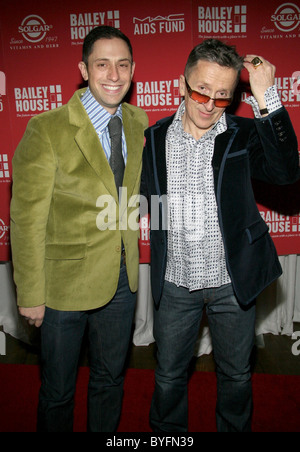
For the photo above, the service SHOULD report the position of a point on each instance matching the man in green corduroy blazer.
(75, 257)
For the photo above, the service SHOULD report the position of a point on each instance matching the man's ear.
(83, 70)
(182, 85)
(132, 69)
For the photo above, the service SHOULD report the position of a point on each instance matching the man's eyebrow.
(208, 85)
(108, 59)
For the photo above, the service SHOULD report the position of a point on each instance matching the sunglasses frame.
(228, 100)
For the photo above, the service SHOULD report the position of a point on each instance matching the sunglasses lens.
(222, 103)
(201, 98)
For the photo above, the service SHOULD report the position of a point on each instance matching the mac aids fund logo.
(173, 23)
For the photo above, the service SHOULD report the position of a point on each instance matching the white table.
(10, 320)
(277, 308)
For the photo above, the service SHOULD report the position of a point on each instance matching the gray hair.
(215, 51)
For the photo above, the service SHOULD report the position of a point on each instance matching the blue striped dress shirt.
(100, 119)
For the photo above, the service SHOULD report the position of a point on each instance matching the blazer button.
(118, 249)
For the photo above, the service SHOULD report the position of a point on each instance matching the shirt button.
(118, 249)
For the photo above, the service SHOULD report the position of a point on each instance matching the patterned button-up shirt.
(196, 255)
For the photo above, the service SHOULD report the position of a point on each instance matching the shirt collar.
(218, 128)
(98, 115)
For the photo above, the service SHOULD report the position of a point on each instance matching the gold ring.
(256, 62)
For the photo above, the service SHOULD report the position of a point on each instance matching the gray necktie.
(116, 158)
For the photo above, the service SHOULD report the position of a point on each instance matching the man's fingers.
(34, 316)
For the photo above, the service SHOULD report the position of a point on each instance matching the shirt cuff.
(272, 99)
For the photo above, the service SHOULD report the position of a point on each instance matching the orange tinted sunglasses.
(203, 99)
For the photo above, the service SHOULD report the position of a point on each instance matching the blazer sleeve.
(34, 170)
(274, 154)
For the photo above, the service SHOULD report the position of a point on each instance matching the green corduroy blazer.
(66, 221)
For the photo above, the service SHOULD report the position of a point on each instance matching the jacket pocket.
(76, 251)
(256, 231)
(242, 153)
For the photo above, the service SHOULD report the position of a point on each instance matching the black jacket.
(265, 149)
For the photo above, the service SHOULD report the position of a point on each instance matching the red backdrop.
(40, 47)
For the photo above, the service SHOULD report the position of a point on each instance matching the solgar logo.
(3, 229)
(224, 19)
(174, 23)
(158, 94)
(37, 99)
(286, 17)
(34, 28)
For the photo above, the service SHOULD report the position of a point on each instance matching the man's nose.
(113, 73)
(210, 105)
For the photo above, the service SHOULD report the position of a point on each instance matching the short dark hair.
(215, 51)
(102, 32)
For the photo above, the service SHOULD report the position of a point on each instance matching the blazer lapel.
(89, 144)
(159, 152)
(223, 144)
(134, 135)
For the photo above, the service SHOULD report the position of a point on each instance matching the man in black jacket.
(209, 244)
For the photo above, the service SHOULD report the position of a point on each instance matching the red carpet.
(276, 401)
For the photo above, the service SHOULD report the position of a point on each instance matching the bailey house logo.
(173, 23)
(288, 89)
(2, 84)
(224, 20)
(4, 168)
(296, 345)
(160, 95)
(81, 24)
(34, 29)
(286, 17)
(30, 101)
(2, 89)
(281, 225)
